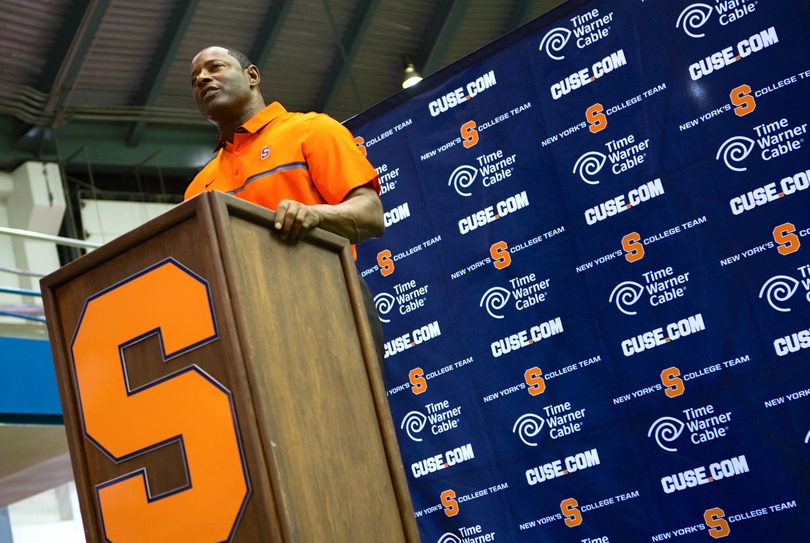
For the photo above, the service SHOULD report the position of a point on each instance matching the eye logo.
(779, 288)
(413, 423)
(735, 149)
(527, 427)
(693, 17)
(449, 538)
(627, 293)
(667, 429)
(588, 165)
(555, 41)
(461, 178)
(494, 299)
(384, 303)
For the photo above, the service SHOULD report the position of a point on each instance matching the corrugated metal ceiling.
(127, 61)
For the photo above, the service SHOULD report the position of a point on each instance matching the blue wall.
(28, 391)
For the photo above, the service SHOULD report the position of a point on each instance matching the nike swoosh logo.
(209, 183)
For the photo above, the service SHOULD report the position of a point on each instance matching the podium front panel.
(207, 406)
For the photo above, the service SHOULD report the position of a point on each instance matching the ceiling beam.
(72, 61)
(59, 51)
(269, 31)
(342, 63)
(440, 35)
(162, 62)
(56, 76)
(519, 14)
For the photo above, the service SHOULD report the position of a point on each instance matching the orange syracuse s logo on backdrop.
(187, 406)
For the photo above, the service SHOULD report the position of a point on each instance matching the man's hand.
(358, 217)
(294, 219)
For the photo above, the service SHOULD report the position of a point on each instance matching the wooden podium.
(219, 384)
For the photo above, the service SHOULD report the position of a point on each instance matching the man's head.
(225, 85)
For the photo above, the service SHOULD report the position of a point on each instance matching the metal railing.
(16, 271)
(27, 312)
(70, 242)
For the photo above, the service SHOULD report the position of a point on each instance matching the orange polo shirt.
(278, 155)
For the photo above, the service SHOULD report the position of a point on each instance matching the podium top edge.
(255, 213)
(202, 204)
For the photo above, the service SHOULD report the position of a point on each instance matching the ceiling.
(103, 84)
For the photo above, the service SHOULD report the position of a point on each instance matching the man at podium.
(304, 166)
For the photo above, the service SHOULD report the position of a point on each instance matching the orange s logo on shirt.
(188, 406)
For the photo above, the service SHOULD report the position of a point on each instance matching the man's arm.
(358, 217)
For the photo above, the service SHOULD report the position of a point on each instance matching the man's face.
(219, 84)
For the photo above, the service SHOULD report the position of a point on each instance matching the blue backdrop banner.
(595, 283)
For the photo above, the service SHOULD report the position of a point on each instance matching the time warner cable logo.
(695, 16)
(384, 303)
(494, 300)
(589, 28)
(734, 150)
(555, 41)
(666, 430)
(626, 294)
(413, 423)
(461, 179)
(692, 18)
(588, 165)
(781, 288)
(527, 427)
(704, 423)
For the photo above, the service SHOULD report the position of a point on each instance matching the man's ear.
(253, 75)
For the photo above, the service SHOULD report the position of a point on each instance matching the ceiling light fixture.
(412, 77)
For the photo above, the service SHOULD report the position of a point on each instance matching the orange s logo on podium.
(188, 406)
